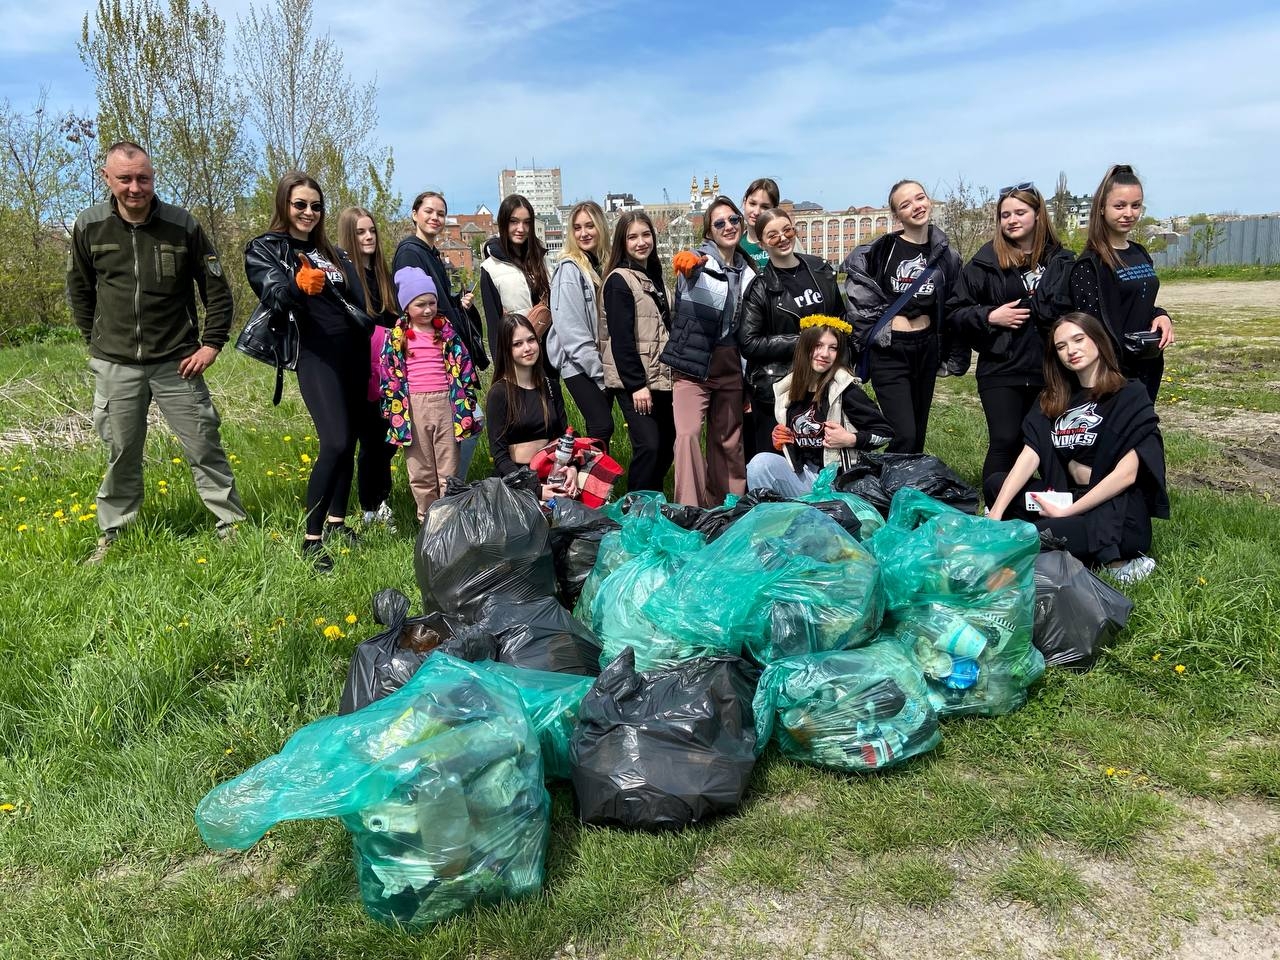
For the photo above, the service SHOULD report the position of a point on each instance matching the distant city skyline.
(835, 101)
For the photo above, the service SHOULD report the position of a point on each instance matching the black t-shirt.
(805, 418)
(1075, 433)
(1138, 286)
(521, 422)
(803, 295)
(907, 261)
(325, 312)
(1031, 278)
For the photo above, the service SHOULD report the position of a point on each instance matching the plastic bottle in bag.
(564, 457)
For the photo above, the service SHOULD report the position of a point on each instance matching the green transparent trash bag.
(961, 598)
(857, 710)
(551, 702)
(440, 785)
(783, 580)
(642, 525)
(824, 489)
(656, 548)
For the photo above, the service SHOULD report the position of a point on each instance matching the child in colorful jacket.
(429, 388)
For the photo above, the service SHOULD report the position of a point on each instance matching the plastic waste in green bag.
(440, 785)
(824, 489)
(864, 709)
(783, 580)
(551, 702)
(656, 548)
(961, 598)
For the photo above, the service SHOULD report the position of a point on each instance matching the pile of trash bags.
(845, 627)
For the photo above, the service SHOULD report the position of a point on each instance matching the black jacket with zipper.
(1006, 358)
(132, 287)
(413, 251)
(270, 264)
(770, 327)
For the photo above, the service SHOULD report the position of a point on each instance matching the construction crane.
(666, 197)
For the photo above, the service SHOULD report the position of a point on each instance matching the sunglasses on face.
(1025, 185)
(732, 221)
(773, 236)
(316, 206)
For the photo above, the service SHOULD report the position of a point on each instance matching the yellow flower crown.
(822, 320)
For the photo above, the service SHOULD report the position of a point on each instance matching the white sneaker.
(1139, 568)
(382, 515)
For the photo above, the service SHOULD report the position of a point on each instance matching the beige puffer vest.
(651, 335)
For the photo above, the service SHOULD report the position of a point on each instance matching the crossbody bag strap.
(864, 362)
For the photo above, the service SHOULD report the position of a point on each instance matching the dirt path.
(1255, 298)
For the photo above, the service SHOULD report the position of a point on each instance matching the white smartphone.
(1057, 498)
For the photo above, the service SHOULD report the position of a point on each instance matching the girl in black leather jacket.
(293, 268)
(792, 286)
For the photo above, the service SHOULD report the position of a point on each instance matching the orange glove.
(782, 435)
(309, 280)
(686, 261)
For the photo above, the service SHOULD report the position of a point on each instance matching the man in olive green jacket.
(134, 269)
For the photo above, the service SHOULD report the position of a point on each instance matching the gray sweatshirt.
(572, 342)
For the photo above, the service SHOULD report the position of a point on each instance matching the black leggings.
(1147, 372)
(596, 406)
(333, 386)
(653, 440)
(373, 462)
(903, 375)
(1005, 409)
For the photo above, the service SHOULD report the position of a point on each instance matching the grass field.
(1133, 811)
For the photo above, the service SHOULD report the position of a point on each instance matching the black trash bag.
(876, 477)
(1076, 614)
(487, 540)
(576, 532)
(521, 479)
(383, 664)
(536, 635)
(682, 515)
(715, 521)
(927, 474)
(862, 479)
(665, 748)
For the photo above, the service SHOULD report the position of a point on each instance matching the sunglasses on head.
(1025, 185)
(316, 206)
(732, 221)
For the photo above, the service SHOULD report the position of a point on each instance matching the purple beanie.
(411, 283)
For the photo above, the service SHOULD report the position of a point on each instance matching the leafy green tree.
(37, 204)
(309, 114)
(159, 66)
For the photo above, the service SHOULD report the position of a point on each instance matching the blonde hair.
(575, 253)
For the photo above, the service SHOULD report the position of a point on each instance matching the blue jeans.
(771, 471)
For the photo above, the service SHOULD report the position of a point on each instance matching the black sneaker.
(314, 551)
(343, 532)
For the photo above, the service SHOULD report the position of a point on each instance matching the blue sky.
(835, 100)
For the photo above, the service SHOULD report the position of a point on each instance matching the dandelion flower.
(333, 632)
(176, 460)
(287, 438)
(1155, 657)
(201, 560)
(22, 499)
(1111, 771)
(1179, 669)
(7, 808)
(1202, 581)
(305, 458)
(229, 750)
(352, 618)
(58, 514)
(320, 621)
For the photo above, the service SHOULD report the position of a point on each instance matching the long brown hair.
(723, 201)
(280, 214)
(804, 380)
(1060, 383)
(532, 258)
(618, 248)
(1097, 240)
(504, 365)
(348, 220)
(1043, 237)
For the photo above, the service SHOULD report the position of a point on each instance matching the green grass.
(130, 689)
(1246, 271)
